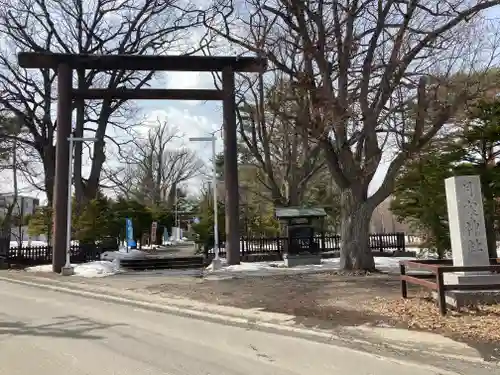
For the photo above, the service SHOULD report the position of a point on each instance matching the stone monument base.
(458, 299)
(301, 259)
(476, 278)
(67, 271)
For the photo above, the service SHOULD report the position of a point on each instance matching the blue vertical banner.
(165, 235)
(130, 232)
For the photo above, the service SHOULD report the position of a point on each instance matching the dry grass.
(478, 324)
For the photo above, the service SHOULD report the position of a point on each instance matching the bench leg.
(404, 284)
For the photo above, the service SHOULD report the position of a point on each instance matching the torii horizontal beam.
(150, 94)
(179, 63)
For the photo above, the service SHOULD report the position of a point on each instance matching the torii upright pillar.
(60, 204)
(231, 168)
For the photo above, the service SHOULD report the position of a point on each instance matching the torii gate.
(64, 64)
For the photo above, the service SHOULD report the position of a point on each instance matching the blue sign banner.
(165, 235)
(130, 232)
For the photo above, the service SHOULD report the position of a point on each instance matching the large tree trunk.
(99, 157)
(49, 169)
(356, 213)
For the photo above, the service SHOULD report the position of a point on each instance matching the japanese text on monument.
(472, 224)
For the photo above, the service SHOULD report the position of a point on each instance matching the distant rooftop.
(292, 212)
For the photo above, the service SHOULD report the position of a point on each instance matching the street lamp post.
(216, 263)
(67, 270)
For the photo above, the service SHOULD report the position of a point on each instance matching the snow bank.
(123, 254)
(96, 269)
(42, 268)
(89, 270)
(388, 264)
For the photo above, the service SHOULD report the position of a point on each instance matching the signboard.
(301, 239)
(299, 220)
(130, 232)
(154, 227)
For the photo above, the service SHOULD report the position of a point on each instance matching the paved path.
(44, 332)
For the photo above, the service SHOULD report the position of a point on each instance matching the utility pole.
(67, 270)
(216, 263)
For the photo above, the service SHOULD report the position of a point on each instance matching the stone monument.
(468, 239)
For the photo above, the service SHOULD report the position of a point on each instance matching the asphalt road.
(50, 333)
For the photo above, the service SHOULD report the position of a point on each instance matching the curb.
(311, 334)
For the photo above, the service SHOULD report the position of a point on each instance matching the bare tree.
(6, 136)
(93, 27)
(374, 77)
(272, 138)
(283, 151)
(154, 168)
(10, 129)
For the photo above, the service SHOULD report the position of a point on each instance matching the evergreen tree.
(420, 194)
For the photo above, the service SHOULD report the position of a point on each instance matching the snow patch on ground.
(123, 254)
(97, 269)
(42, 268)
(88, 270)
(276, 268)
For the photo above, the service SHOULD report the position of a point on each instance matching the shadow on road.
(64, 326)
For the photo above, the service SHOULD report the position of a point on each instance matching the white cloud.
(189, 124)
(190, 81)
(184, 121)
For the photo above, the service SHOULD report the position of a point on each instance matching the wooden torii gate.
(65, 64)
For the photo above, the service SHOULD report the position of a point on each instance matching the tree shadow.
(69, 326)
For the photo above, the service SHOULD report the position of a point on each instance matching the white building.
(22, 207)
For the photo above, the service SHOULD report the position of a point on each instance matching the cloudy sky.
(190, 118)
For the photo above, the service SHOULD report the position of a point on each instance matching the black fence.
(38, 255)
(329, 244)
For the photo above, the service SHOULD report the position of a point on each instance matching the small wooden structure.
(301, 245)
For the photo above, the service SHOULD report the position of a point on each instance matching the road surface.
(50, 333)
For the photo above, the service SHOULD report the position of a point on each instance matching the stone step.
(163, 263)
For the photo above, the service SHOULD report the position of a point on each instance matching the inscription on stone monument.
(466, 221)
(472, 223)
